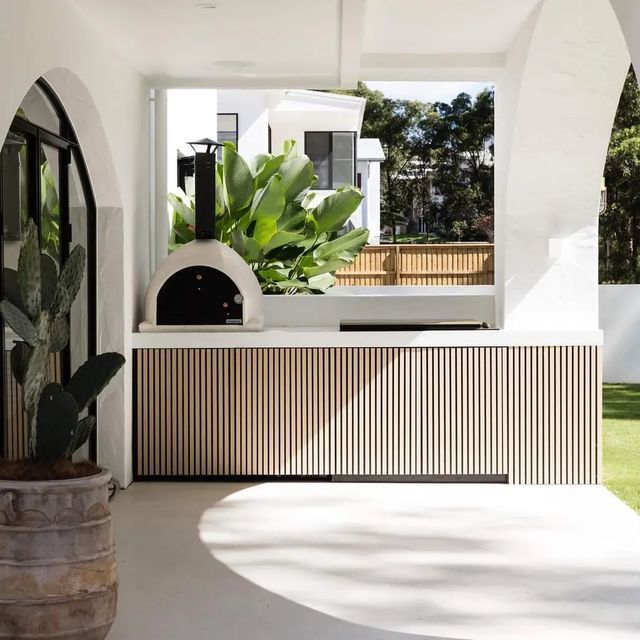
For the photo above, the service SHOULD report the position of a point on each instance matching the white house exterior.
(558, 67)
(260, 122)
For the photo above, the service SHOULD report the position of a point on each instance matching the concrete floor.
(375, 562)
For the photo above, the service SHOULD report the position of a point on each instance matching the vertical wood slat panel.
(15, 427)
(530, 413)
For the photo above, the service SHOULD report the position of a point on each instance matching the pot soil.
(57, 559)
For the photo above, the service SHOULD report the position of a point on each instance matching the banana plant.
(38, 313)
(292, 238)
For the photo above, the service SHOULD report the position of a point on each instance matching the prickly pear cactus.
(41, 321)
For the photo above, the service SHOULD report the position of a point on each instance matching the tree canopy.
(438, 173)
(620, 223)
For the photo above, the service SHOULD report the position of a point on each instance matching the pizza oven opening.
(204, 285)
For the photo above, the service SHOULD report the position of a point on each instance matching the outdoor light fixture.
(204, 285)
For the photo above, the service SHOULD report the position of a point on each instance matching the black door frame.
(66, 142)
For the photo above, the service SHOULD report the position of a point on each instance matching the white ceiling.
(443, 26)
(306, 43)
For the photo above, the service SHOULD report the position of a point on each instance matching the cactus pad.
(93, 376)
(20, 355)
(29, 270)
(59, 332)
(69, 282)
(57, 422)
(48, 280)
(18, 321)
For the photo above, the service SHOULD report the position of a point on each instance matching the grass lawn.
(621, 435)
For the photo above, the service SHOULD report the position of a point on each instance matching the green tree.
(439, 162)
(620, 224)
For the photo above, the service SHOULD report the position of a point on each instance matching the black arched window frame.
(66, 142)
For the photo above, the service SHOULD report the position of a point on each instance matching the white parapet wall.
(620, 321)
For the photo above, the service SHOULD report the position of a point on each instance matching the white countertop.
(329, 337)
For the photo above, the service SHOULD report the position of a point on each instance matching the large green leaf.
(263, 230)
(245, 246)
(297, 176)
(330, 266)
(184, 207)
(322, 282)
(334, 211)
(270, 168)
(270, 201)
(344, 247)
(239, 184)
(292, 219)
(281, 238)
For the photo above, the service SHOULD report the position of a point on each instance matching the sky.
(427, 91)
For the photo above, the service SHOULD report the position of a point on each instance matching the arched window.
(43, 176)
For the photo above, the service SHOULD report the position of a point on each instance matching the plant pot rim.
(104, 475)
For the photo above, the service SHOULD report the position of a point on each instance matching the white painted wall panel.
(620, 321)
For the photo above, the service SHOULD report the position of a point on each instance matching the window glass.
(13, 173)
(37, 108)
(317, 145)
(79, 318)
(49, 201)
(343, 158)
(227, 129)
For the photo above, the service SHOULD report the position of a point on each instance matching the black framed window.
(333, 154)
(227, 129)
(43, 176)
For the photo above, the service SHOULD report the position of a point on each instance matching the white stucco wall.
(106, 101)
(253, 118)
(370, 209)
(556, 103)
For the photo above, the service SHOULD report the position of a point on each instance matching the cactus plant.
(40, 319)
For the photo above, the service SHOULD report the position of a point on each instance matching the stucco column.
(556, 104)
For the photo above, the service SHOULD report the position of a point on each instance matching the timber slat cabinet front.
(521, 414)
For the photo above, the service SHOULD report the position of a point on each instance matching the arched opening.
(620, 202)
(43, 177)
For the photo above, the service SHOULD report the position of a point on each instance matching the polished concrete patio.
(376, 562)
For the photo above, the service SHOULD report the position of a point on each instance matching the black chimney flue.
(205, 187)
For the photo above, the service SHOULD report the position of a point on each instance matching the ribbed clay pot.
(57, 560)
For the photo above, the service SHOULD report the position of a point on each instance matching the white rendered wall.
(560, 91)
(370, 176)
(107, 103)
(620, 321)
(192, 114)
(253, 118)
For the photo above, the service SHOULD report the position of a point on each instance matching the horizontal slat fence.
(530, 414)
(420, 264)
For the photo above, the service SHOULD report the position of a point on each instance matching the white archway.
(556, 106)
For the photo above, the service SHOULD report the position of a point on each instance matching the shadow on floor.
(171, 588)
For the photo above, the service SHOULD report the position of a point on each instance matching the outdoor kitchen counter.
(275, 337)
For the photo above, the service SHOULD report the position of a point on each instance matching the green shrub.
(292, 238)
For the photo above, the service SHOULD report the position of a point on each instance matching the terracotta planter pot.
(57, 559)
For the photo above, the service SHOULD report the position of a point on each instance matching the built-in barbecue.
(204, 285)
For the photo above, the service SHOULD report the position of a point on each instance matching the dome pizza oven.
(205, 285)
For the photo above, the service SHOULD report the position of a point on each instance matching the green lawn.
(622, 441)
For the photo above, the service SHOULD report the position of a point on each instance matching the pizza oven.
(204, 285)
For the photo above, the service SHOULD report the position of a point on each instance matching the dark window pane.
(227, 130)
(343, 158)
(317, 145)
